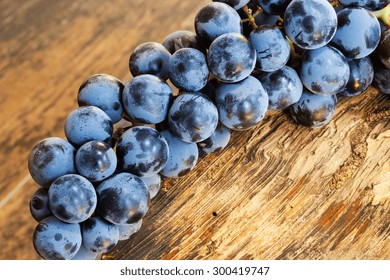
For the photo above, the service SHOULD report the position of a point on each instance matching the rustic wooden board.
(279, 191)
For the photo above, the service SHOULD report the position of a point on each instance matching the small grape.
(122, 199)
(384, 48)
(72, 198)
(360, 78)
(39, 204)
(382, 79)
(95, 161)
(85, 254)
(231, 58)
(56, 240)
(188, 69)
(142, 151)
(150, 58)
(146, 99)
(103, 91)
(216, 142)
(242, 105)
(215, 19)
(125, 231)
(193, 117)
(313, 110)
(153, 183)
(99, 236)
(88, 123)
(274, 7)
(182, 156)
(51, 158)
(182, 39)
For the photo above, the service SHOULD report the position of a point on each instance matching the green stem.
(384, 15)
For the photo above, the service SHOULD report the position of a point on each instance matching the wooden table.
(280, 191)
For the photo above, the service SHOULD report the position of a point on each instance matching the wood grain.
(279, 191)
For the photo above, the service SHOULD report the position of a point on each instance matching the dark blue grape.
(88, 123)
(274, 7)
(142, 151)
(51, 158)
(150, 58)
(182, 39)
(216, 142)
(373, 5)
(235, 4)
(146, 99)
(358, 32)
(231, 57)
(103, 91)
(215, 19)
(56, 240)
(39, 205)
(310, 24)
(360, 78)
(272, 47)
(123, 199)
(193, 117)
(188, 69)
(324, 70)
(72, 198)
(382, 80)
(125, 231)
(313, 110)
(153, 183)
(99, 236)
(283, 86)
(182, 156)
(83, 254)
(95, 161)
(384, 48)
(242, 105)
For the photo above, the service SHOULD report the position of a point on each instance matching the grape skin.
(122, 199)
(51, 158)
(142, 151)
(324, 71)
(273, 49)
(242, 105)
(231, 58)
(310, 24)
(215, 19)
(360, 78)
(193, 117)
(147, 98)
(274, 7)
(358, 32)
(283, 87)
(188, 69)
(235, 4)
(216, 142)
(313, 110)
(72, 198)
(103, 91)
(56, 240)
(182, 39)
(373, 5)
(39, 204)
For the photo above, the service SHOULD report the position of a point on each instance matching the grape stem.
(384, 15)
(335, 3)
(251, 16)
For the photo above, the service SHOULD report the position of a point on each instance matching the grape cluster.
(244, 58)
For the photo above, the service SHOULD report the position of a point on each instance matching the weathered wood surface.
(280, 191)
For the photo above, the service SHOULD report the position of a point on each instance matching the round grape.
(39, 204)
(231, 58)
(142, 151)
(146, 99)
(125, 231)
(72, 198)
(193, 117)
(182, 39)
(150, 58)
(51, 158)
(360, 78)
(56, 240)
(103, 91)
(241, 105)
(122, 199)
(235, 4)
(153, 183)
(95, 161)
(216, 142)
(88, 123)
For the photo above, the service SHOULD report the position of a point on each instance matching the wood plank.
(280, 191)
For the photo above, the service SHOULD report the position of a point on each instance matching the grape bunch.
(245, 57)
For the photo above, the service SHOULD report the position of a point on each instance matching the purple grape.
(360, 78)
(182, 39)
(39, 204)
(153, 183)
(51, 158)
(235, 4)
(216, 142)
(56, 240)
(122, 199)
(125, 231)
